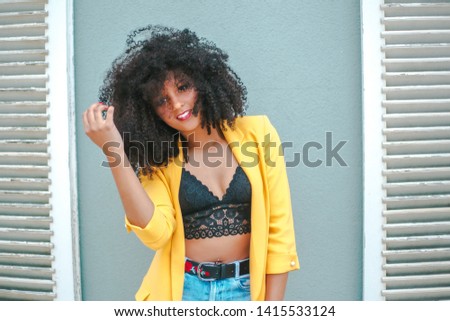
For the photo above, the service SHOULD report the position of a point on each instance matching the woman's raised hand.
(102, 131)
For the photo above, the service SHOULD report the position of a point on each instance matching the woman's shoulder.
(252, 122)
(251, 119)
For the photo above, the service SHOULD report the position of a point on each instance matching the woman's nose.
(177, 103)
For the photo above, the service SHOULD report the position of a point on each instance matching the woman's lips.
(185, 115)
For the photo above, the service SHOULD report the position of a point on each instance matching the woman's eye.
(161, 102)
(183, 87)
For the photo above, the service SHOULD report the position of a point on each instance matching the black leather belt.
(210, 271)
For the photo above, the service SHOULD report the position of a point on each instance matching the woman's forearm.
(136, 203)
(276, 286)
(103, 132)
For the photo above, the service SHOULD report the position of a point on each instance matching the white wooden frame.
(62, 149)
(373, 164)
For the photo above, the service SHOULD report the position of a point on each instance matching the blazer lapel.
(247, 153)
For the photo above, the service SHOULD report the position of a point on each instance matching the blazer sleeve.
(161, 226)
(282, 254)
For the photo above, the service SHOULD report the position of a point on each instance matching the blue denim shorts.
(229, 289)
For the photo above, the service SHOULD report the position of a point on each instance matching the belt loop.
(237, 273)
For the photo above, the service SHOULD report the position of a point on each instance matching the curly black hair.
(137, 77)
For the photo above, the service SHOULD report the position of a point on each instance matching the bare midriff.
(224, 249)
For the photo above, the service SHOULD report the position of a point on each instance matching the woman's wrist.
(275, 286)
(115, 154)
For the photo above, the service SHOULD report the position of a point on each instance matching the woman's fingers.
(101, 130)
(88, 118)
(102, 112)
(93, 117)
(110, 113)
(99, 107)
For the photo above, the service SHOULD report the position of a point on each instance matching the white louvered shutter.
(25, 223)
(416, 145)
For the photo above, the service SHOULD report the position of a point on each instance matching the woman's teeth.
(184, 115)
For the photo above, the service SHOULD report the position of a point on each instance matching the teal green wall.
(300, 60)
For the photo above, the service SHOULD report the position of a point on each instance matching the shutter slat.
(27, 284)
(23, 107)
(24, 146)
(414, 161)
(420, 268)
(25, 183)
(22, 29)
(415, 133)
(417, 92)
(23, 133)
(418, 228)
(416, 50)
(417, 105)
(24, 196)
(417, 174)
(24, 209)
(416, 119)
(26, 295)
(23, 81)
(24, 158)
(417, 215)
(416, 201)
(417, 242)
(32, 120)
(32, 260)
(416, 36)
(417, 255)
(17, 94)
(21, 68)
(416, 147)
(22, 5)
(26, 247)
(26, 271)
(22, 17)
(24, 39)
(417, 78)
(415, 64)
(417, 188)
(17, 43)
(415, 23)
(19, 234)
(406, 282)
(32, 222)
(20, 56)
(416, 9)
(437, 293)
(32, 171)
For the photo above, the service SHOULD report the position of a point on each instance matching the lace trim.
(223, 220)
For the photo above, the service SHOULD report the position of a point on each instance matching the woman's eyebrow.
(181, 80)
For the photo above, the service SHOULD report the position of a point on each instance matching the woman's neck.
(201, 138)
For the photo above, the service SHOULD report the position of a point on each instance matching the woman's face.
(176, 103)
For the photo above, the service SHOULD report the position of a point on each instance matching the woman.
(201, 184)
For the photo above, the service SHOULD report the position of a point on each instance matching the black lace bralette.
(207, 216)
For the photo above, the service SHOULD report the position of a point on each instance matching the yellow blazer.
(256, 146)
